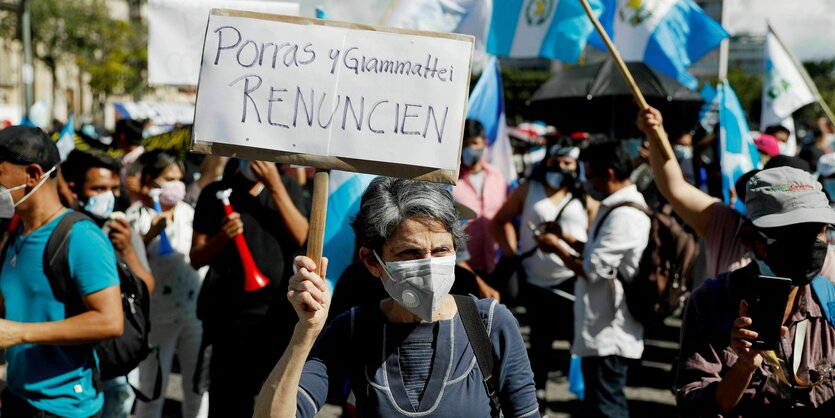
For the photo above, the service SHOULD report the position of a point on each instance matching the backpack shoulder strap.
(477, 334)
(619, 205)
(56, 263)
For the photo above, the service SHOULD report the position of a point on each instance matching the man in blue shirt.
(50, 360)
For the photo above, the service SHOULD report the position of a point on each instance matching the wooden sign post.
(332, 95)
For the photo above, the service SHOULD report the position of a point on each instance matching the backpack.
(664, 278)
(117, 356)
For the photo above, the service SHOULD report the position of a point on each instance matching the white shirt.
(178, 284)
(603, 326)
(547, 269)
(477, 180)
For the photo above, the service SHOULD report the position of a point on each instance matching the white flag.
(784, 88)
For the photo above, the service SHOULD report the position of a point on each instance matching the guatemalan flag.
(66, 140)
(738, 154)
(344, 193)
(554, 29)
(486, 105)
(667, 35)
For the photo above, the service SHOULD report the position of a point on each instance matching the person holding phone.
(727, 368)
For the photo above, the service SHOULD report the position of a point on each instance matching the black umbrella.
(595, 98)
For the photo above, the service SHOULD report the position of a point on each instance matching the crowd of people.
(425, 322)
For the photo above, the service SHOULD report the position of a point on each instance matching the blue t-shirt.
(56, 379)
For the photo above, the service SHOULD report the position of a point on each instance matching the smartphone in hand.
(767, 298)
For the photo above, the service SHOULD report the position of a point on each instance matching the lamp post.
(28, 69)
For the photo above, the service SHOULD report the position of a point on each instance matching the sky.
(805, 25)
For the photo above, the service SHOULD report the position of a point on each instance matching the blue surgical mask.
(471, 156)
(101, 205)
(683, 152)
(554, 179)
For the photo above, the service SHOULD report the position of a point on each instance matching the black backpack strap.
(480, 341)
(606, 215)
(56, 264)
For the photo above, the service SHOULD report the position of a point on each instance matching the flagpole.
(660, 134)
(724, 47)
(806, 77)
(389, 11)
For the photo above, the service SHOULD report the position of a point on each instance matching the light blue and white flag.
(486, 105)
(554, 29)
(667, 35)
(66, 140)
(737, 152)
(785, 90)
(345, 191)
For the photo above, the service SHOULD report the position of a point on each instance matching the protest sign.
(333, 95)
(175, 35)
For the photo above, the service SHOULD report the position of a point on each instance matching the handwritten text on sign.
(333, 91)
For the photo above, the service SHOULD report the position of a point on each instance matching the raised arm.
(692, 204)
(310, 298)
(292, 219)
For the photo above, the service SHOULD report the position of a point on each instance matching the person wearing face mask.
(176, 329)
(606, 335)
(93, 178)
(709, 217)
(410, 355)
(246, 330)
(50, 360)
(719, 374)
(483, 189)
(551, 197)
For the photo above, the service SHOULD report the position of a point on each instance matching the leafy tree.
(822, 73)
(118, 64)
(60, 30)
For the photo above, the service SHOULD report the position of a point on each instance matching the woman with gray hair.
(411, 356)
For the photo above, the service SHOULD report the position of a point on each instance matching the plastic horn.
(165, 247)
(253, 278)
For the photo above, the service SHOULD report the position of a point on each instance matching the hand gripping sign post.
(660, 135)
(332, 95)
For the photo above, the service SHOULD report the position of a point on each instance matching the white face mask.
(7, 203)
(419, 285)
(101, 205)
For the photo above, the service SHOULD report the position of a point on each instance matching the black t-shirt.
(222, 297)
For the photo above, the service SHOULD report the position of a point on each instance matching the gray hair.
(389, 201)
